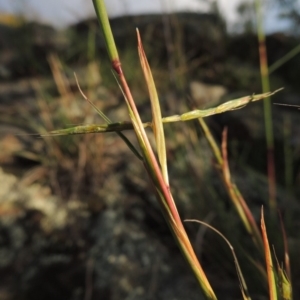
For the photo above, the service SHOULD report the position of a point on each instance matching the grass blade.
(157, 124)
(227, 106)
(194, 114)
(284, 283)
(269, 262)
(243, 285)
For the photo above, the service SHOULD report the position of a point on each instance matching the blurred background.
(62, 13)
(78, 217)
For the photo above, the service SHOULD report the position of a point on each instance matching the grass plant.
(79, 155)
(195, 170)
(156, 173)
(154, 159)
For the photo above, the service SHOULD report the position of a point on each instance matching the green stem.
(267, 108)
(106, 29)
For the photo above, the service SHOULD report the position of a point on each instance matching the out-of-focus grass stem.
(288, 153)
(267, 107)
(284, 59)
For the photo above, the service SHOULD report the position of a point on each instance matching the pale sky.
(61, 13)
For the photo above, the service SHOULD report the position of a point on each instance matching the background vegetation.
(78, 216)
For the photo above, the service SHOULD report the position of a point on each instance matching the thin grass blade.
(280, 62)
(237, 198)
(284, 284)
(92, 128)
(156, 111)
(243, 285)
(120, 126)
(286, 249)
(269, 263)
